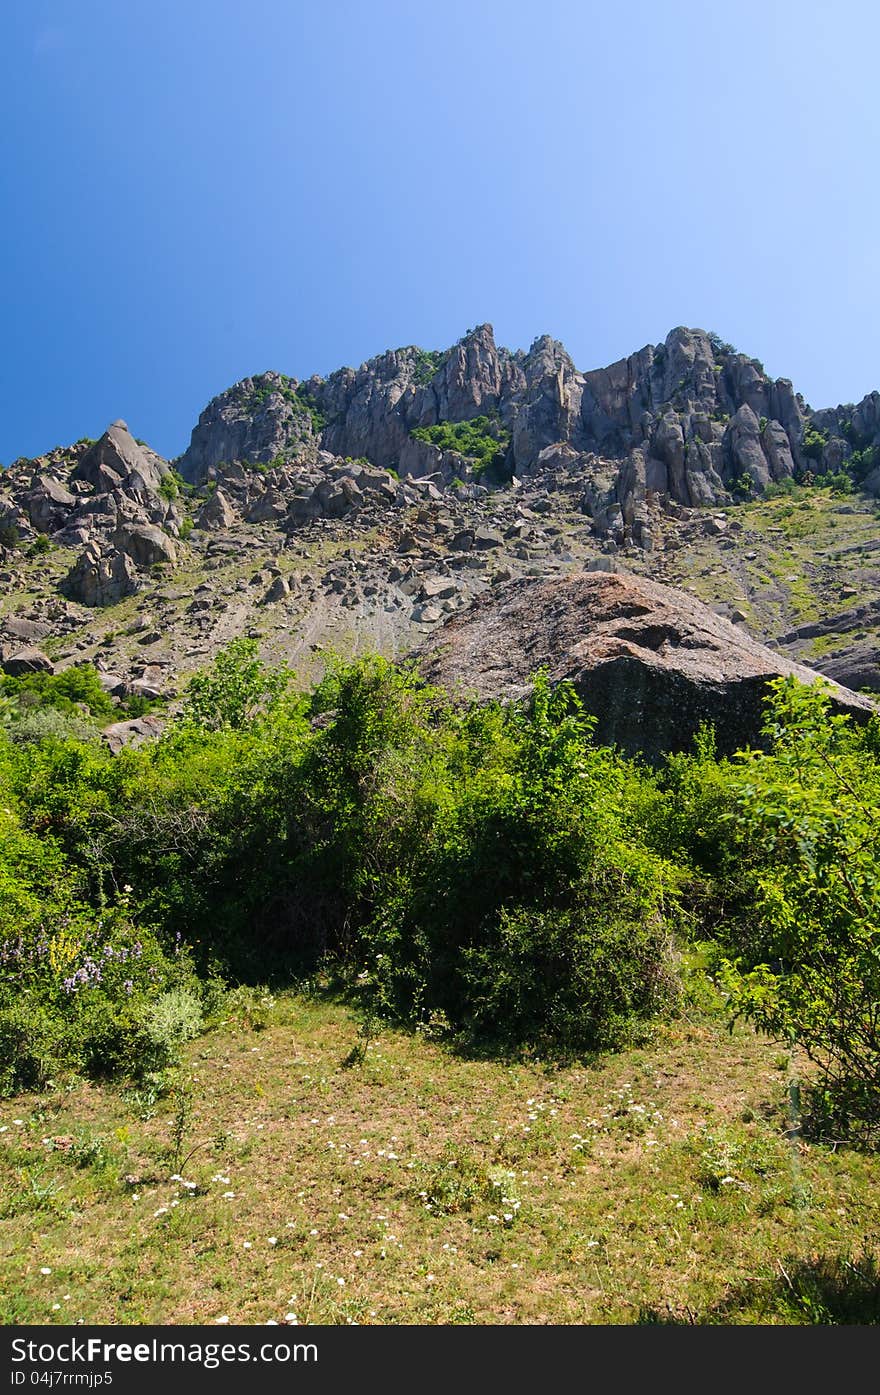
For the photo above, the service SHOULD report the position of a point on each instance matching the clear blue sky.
(194, 190)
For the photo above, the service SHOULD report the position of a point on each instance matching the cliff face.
(258, 420)
(690, 422)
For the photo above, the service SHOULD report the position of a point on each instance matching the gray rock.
(277, 591)
(20, 627)
(145, 544)
(258, 420)
(268, 507)
(486, 538)
(114, 684)
(16, 662)
(650, 663)
(48, 504)
(117, 458)
(132, 733)
(216, 513)
(99, 578)
(146, 688)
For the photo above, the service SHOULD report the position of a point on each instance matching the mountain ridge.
(365, 509)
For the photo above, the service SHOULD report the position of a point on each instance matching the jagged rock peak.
(118, 460)
(261, 419)
(690, 421)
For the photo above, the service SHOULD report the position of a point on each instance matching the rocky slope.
(366, 509)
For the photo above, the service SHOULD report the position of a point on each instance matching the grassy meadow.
(303, 1168)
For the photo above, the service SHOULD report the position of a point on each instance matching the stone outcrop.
(650, 662)
(48, 504)
(17, 662)
(258, 420)
(117, 461)
(132, 733)
(689, 422)
(101, 578)
(146, 544)
(387, 534)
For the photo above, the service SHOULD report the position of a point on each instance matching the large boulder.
(117, 459)
(145, 543)
(48, 504)
(651, 663)
(17, 662)
(216, 513)
(132, 733)
(99, 578)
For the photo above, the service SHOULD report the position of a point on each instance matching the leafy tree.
(235, 690)
(806, 819)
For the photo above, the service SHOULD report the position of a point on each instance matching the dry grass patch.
(277, 1178)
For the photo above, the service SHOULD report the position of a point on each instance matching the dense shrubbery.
(488, 867)
(81, 981)
(482, 441)
(71, 704)
(781, 849)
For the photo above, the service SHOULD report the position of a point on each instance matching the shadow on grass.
(827, 1290)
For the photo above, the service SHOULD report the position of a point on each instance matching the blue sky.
(194, 190)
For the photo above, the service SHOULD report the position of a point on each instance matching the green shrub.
(171, 486)
(496, 865)
(231, 693)
(804, 963)
(68, 691)
(863, 462)
(488, 866)
(30, 1045)
(482, 441)
(175, 1018)
(580, 979)
(34, 725)
(426, 363)
(813, 443)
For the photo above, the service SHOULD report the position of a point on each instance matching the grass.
(301, 1166)
(806, 548)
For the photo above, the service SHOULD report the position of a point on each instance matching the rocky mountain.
(367, 509)
(689, 422)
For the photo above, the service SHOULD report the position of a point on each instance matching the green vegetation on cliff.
(482, 441)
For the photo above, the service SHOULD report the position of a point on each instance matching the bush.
(813, 443)
(806, 961)
(70, 691)
(33, 726)
(171, 486)
(29, 1047)
(601, 975)
(232, 693)
(501, 885)
(486, 865)
(482, 441)
(175, 1018)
